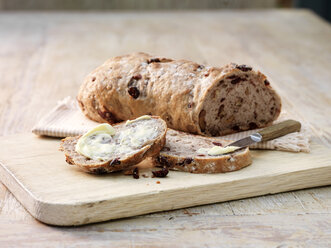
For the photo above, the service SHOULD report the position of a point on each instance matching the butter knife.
(269, 133)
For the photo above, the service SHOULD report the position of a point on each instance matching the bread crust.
(68, 147)
(126, 87)
(208, 165)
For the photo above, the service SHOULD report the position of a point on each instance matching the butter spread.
(135, 137)
(96, 143)
(217, 150)
(203, 151)
(143, 117)
(103, 143)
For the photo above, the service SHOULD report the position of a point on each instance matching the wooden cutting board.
(55, 193)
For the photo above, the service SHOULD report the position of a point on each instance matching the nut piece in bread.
(210, 101)
(122, 158)
(181, 153)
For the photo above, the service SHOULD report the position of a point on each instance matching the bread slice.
(121, 159)
(180, 153)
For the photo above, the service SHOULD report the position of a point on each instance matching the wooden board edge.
(75, 215)
(18, 190)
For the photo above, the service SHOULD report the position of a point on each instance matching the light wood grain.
(45, 56)
(138, 5)
(57, 194)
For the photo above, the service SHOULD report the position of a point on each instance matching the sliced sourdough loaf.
(181, 153)
(131, 143)
(204, 100)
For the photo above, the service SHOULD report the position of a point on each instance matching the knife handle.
(280, 129)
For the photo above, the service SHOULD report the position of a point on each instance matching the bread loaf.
(181, 153)
(188, 96)
(120, 159)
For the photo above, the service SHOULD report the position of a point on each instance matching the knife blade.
(268, 133)
(247, 141)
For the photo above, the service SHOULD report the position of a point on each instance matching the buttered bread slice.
(108, 148)
(198, 154)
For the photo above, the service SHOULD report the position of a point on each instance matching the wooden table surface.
(44, 57)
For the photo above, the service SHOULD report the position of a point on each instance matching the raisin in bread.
(188, 96)
(129, 149)
(182, 153)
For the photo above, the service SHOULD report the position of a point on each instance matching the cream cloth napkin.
(66, 119)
